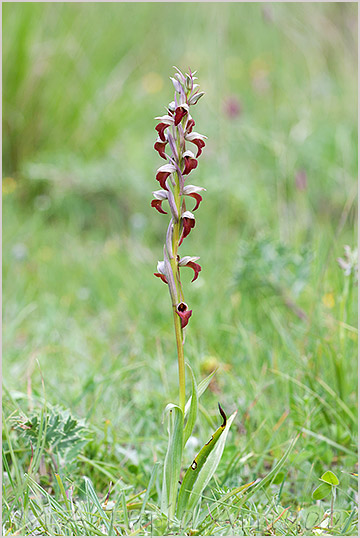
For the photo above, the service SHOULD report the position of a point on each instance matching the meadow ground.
(89, 353)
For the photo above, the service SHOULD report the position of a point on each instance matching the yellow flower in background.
(152, 82)
(8, 185)
(328, 300)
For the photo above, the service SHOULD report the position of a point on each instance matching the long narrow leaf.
(196, 471)
(193, 409)
(210, 466)
(172, 463)
(202, 386)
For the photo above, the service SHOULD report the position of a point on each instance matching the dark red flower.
(198, 140)
(160, 148)
(163, 277)
(198, 199)
(189, 261)
(180, 112)
(190, 162)
(163, 173)
(190, 124)
(193, 191)
(188, 221)
(184, 314)
(164, 124)
(157, 205)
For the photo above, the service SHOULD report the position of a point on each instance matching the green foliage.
(57, 430)
(172, 464)
(330, 478)
(321, 492)
(266, 266)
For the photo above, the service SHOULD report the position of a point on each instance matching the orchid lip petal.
(190, 124)
(180, 111)
(159, 146)
(157, 205)
(190, 162)
(183, 313)
(193, 191)
(163, 173)
(198, 199)
(189, 261)
(165, 122)
(188, 221)
(198, 140)
(163, 277)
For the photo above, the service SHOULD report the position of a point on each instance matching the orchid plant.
(175, 132)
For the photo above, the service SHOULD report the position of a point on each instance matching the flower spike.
(175, 133)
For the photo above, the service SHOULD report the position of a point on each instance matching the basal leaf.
(193, 409)
(202, 386)
(172, 463)
(202, 468)
(210, 465)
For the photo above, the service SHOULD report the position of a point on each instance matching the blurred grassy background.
(81, 86)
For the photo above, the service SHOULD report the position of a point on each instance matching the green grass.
(88, 329)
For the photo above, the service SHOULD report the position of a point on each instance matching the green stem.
(175, 270)
(181, 360)
(177, 321)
